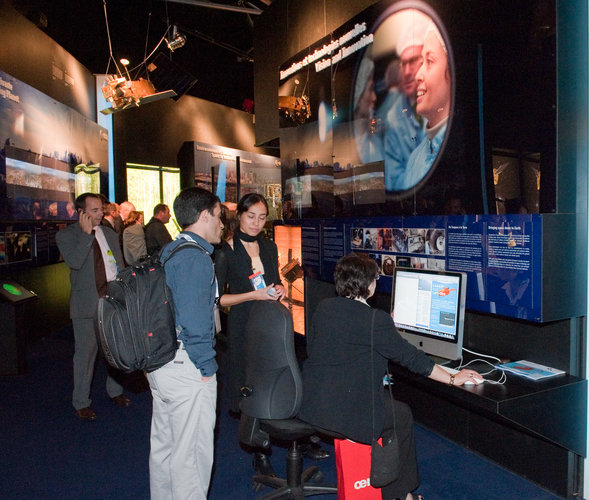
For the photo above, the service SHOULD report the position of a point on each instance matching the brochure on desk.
(531, 370)
(501, 254)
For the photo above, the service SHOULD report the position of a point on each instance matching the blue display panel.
(501, 255)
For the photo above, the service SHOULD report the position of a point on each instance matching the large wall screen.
(370, 105)
(49, 154)
(420, 107)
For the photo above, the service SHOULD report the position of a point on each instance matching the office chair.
(272, 397)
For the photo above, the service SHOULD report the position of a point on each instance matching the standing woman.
(242, 255)
(134, 246)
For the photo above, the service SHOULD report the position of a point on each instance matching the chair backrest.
(273, 377)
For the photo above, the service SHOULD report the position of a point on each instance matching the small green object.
(12, 289)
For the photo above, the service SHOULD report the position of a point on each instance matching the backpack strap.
(183, 245)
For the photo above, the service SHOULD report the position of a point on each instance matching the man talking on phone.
(93, 254)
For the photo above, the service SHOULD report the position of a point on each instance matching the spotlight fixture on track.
(177, 40)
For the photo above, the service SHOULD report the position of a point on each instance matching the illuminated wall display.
(49, 154)
(216, 168)
(407, 108)
(378, 94)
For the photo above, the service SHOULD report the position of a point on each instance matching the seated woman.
(337, 381)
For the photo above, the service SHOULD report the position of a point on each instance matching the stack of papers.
(531, 370)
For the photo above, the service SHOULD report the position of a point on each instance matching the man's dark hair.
(160, 207)
(191, 202)
(353, 275)
(80, 202)
(109, 208)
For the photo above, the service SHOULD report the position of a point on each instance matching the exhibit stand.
(509, 423)
(15, 315)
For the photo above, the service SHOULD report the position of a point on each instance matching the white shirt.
(110, 264)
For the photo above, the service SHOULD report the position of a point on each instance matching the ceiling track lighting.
(220, 6)
(177, 40)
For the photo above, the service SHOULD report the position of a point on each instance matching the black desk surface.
(554, 408)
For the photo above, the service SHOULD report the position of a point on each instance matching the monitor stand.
(441, 361)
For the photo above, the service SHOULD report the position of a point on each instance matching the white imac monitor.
(428, 309)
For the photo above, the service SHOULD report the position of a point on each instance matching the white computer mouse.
(474, 381)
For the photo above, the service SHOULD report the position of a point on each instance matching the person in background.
(185, 389)
(94, 257)
(112, 217)
(228, 209)
(52, 209)
(453, 204)
(339, 344)
(434, 88)
(70, 210)
(134, 247)
(403, 127)
(366, 129)
(392, 82)
(125, 208)
(156, 233)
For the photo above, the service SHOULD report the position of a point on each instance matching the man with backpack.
(185, 389)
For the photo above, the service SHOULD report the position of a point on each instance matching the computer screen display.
(428, 309)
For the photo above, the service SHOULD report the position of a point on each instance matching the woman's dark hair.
(248, 201)
(353, 275)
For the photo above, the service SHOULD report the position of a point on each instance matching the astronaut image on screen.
(18, 246)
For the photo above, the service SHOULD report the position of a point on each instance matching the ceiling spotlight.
(178, 40)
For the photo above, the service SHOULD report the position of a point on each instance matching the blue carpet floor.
(47, 453)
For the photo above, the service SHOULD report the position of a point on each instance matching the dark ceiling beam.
(243, 56)
(220, 6)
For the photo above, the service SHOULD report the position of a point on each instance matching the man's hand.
(85, 222)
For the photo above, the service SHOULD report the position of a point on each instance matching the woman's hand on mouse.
(460, 378)
(467, 376)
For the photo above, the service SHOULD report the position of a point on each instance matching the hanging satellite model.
(123, 92)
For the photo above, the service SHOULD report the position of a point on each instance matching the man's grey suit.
(77, 250)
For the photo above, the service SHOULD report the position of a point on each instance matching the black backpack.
(136, 326)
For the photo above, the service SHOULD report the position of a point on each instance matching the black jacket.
(156, 236)
(337, 380)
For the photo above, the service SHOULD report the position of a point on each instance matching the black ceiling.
(218, 50)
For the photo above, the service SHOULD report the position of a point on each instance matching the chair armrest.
(251, 434)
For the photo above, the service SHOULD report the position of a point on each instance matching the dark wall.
(31, 56)
(154, 134)
(286, 28)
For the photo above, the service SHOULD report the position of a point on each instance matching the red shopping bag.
(352, 461)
